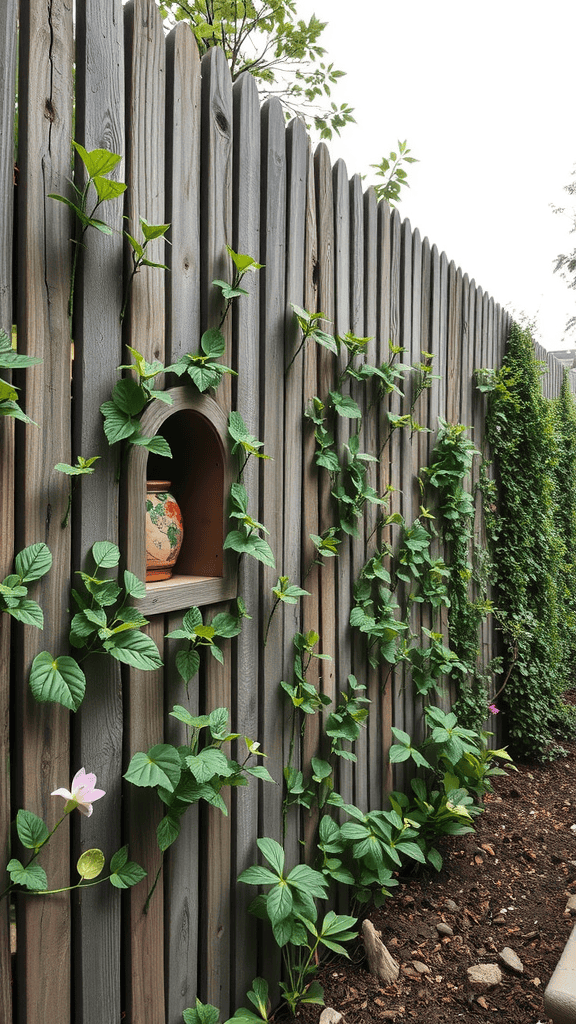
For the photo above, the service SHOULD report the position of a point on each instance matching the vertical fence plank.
(380, 726)
(246, 361)
(97, 737)
(8, 40)
(216, 233)
(145, 331)
(296, 186)
(272, 323)
(326, 303)
(310, 509)
(181, 878)
(42, 732)
(344, 242)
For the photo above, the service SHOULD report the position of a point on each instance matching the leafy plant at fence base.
(289, 906)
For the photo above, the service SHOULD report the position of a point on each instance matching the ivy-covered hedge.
(533, 538)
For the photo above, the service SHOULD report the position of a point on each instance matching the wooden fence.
(200, 154)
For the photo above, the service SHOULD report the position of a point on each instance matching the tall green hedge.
(533, 538)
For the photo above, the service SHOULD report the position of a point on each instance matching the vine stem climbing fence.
(200, 154)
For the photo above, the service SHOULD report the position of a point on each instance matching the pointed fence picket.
(200, 154)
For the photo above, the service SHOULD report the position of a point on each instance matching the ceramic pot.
(164, 531)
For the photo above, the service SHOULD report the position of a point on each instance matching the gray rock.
(451, 906)
(330, 1016)
(420, 967)
(444, 929)
(484, 976)
(511, 960)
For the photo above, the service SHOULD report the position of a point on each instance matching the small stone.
(488, 849)
(484, 976)
(500, 919)
(420, 967)
(451, 906)
(570, 907)
(330, 1016)
(444, 929)
(511, 960)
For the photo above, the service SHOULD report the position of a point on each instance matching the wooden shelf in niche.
(199, 470)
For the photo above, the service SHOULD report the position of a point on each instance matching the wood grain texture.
(8, 38)
(145, 63)
(144, 939)
(310, 512)
(326, 303)
(98, 726)
(183, 134)
(215, 233)
(294, 498)
(246, 360)
(272, 361)
(42, 732)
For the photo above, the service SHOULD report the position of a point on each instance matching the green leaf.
(250, 544)
(345, 406)
(105, 554)
(32, 876)
(136, 649)
(133, 586)
(60, 680)
(273, 853)
(168, 831)
(33, 562)
(118, 425)
(187, 663)
(27, 611)
(158, 445)
(260, 772)
(97, 161)
(204, 1013)
(32, 831)
(107, 189)
(208, 763)
(213, 343)
(127, 874)
(151, 231)
(258, 875)
(90, 863)
(159, 767)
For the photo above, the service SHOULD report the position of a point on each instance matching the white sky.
(484, 95)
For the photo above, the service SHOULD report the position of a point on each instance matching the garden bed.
(506, 885)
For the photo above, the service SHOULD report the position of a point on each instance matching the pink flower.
(83, 793)
(493, 709)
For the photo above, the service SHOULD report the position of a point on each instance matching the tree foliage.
(283, 52)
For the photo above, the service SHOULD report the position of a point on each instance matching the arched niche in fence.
(200, 475)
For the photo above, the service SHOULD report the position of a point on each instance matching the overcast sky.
(484, 95)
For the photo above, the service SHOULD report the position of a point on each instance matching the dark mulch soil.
(509, 884)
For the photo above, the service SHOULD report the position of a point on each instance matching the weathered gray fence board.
(272, 362)
(380, 736)
(326, 303)
(216, 233)
(310, 522)
(42, 733)
(8, 38)
(182, 194)
(412, 487)
(296, 188)
(370, 753)
(246, 360)
(358, 785)
(97, 736)
(183, 329)
(345, 248)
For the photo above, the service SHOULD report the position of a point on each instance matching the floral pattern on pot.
(164, 531)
